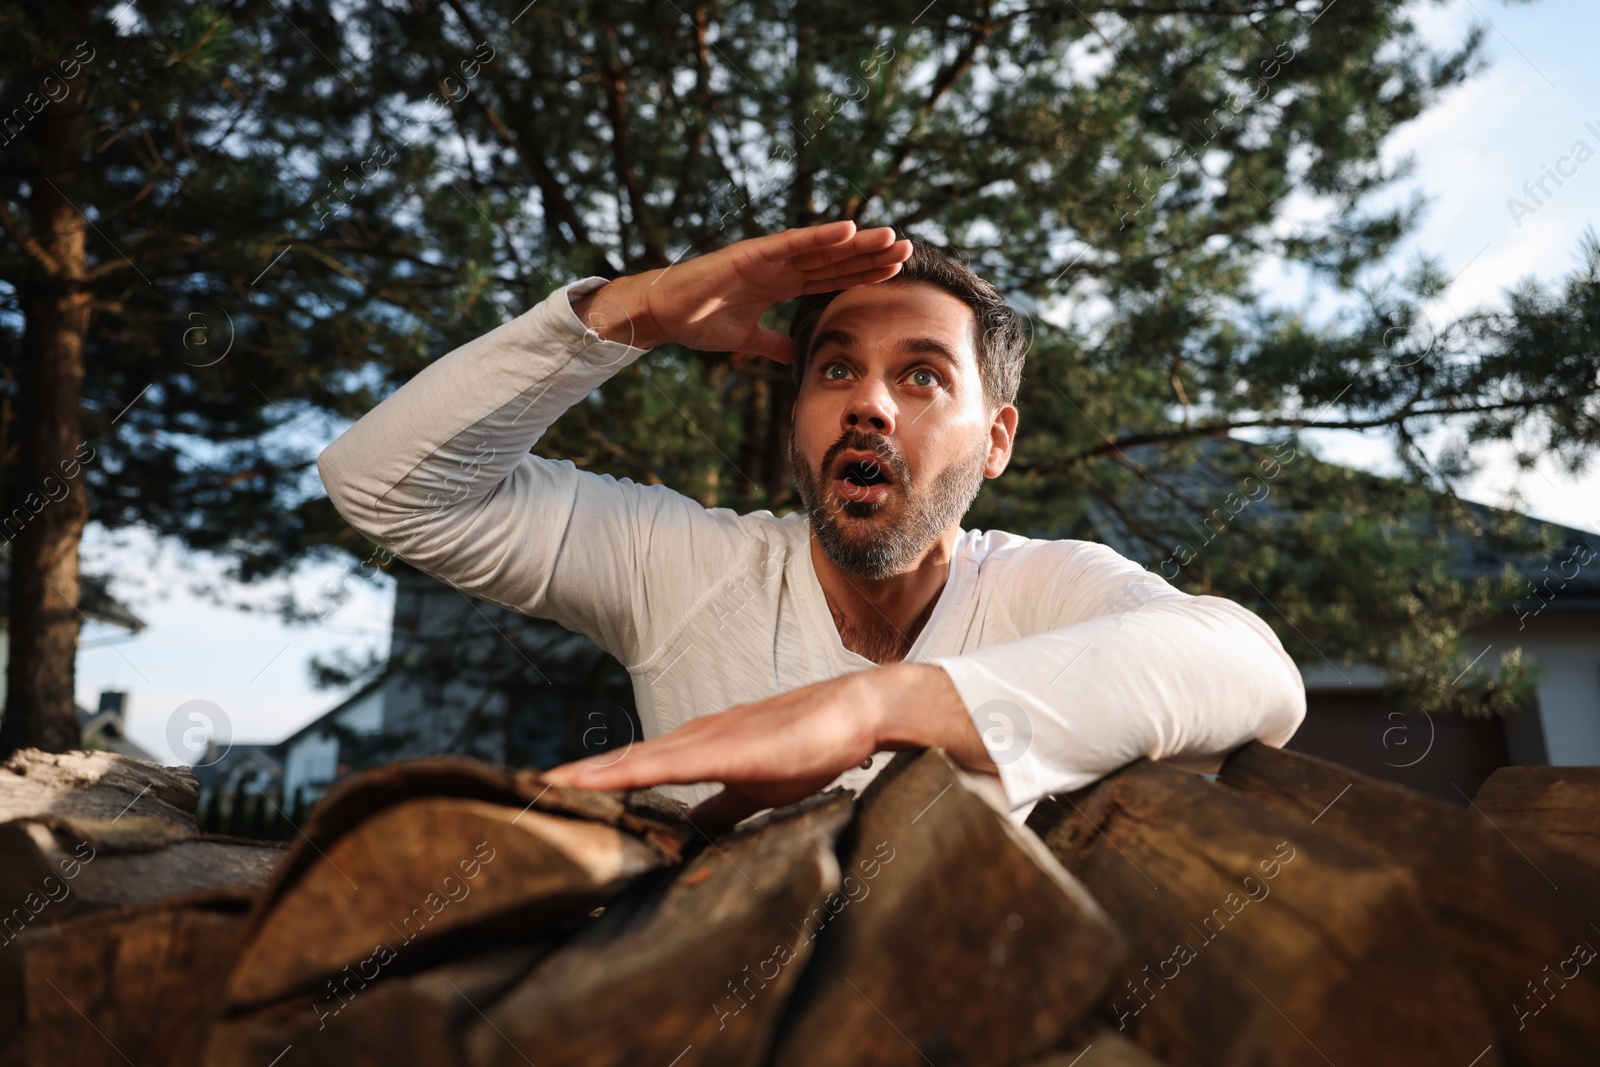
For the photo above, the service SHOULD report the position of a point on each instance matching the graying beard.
(929, 515)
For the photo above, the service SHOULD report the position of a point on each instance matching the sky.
(1473, 151)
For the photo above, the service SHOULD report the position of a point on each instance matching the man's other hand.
(784, 748)
(714, 302)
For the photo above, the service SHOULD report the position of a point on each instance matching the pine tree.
(295, 208)
(175, 294)
(1120, 171)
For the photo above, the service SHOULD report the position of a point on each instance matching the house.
(105, 728)
(469, 678)
(1351, 718)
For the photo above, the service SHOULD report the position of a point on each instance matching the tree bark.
(1561, 802)
(956, 938)
(1255, 939)
(44, 530)
(1515, 908)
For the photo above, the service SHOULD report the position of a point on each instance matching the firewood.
(412, 1019)
(1562, 802)
(582, 846)
(86, 830)
(646, 813)
(1516, 909)
(101, 861)
(1256, 939)
(429, 879)
(95, 785)
(124, 985)
(695, 972)
(959, 939)
(52, 869)
(1103, 1048)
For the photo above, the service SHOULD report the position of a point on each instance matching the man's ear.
(1002, 436)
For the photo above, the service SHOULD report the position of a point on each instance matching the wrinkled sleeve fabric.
(440, 473)
(1116, 664)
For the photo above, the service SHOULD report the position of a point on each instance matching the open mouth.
(864, 474)
(862, 477)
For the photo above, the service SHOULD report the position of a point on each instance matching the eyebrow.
(927, 346)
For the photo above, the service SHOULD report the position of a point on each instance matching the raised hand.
(714, 302)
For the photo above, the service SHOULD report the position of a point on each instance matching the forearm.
(453, 432)
(620, 311)
(918, 706)
(1185, 681)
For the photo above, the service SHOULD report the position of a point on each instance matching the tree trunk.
(43, 525)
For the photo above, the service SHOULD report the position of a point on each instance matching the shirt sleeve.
(1117, 664)
(441, 474)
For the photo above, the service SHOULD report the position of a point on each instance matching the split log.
(1516, 908)
(86, 833)
(95, 785)
(1103, 1048)
(1256, 939)
(693, 973)
(85, 830)
(123, 985)
(52, 869)
(1562, 802)
(481, 854)
(113, 903)
(412, 1019)
(959, 940)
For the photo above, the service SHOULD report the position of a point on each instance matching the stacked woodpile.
(448, 912)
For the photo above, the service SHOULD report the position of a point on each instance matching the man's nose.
(871, 407)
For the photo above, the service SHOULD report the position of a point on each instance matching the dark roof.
(1208, 480)
(282, 747)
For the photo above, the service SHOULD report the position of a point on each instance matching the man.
(779, 655)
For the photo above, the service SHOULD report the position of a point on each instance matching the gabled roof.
(325, 719)
(1207, 483)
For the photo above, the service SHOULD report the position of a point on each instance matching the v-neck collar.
(810, 589)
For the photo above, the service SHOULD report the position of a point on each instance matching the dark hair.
(998, 338)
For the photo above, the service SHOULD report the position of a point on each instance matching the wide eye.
(829, 375)
(923, 378)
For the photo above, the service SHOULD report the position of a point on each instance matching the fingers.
(676, 758)
(849, 281)
(778, 347)
(780, 247)
(894, 255)
(867, 242)
(634, 770)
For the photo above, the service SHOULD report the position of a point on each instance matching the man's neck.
(880, 619)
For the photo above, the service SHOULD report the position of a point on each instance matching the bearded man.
(778, 655)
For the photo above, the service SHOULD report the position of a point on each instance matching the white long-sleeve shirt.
(1072, 659)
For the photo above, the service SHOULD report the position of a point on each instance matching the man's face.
(892, 437)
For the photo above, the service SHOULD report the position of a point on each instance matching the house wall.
(312, 758)
(472, 678)
(1565, 646)
(1349, 720)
